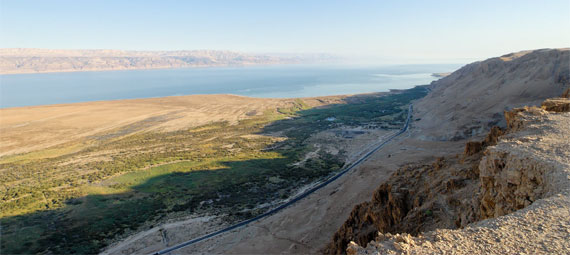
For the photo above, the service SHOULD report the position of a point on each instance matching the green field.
(77, 201)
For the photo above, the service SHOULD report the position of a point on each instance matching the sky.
(412, 31)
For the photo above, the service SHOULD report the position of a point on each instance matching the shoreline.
(209, 95)
(202, 95)
(131, 100)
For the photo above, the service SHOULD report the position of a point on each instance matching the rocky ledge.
(508, 194)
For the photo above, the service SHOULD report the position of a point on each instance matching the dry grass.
(26, 129)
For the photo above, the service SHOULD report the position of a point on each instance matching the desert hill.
(472, 99)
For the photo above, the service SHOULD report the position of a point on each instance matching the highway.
(294, 200)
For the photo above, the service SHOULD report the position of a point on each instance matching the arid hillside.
(472, 99)
(14, 61)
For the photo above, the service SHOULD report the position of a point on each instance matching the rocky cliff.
(419, 197)
(469, 101)
(519, 180)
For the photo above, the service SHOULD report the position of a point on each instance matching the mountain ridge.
(28, 60)
(473, 98)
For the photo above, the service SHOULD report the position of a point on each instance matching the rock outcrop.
(556, 105)
(509, 183)
(418, 198)
(521, 185)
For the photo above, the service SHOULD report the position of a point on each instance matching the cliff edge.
(507, 194)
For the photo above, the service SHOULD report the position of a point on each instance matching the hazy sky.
(439, 31)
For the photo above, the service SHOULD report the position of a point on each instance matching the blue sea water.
(266, 81)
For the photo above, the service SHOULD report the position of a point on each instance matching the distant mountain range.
(14, 61)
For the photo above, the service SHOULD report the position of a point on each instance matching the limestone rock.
(556, 105)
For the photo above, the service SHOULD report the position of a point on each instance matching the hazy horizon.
(331, 59)
(360, 31)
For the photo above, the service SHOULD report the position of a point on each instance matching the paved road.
(294, 200)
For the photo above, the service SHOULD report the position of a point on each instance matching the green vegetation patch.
(60, 204)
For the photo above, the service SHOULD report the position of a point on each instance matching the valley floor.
(78, 177)
(307, 226)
